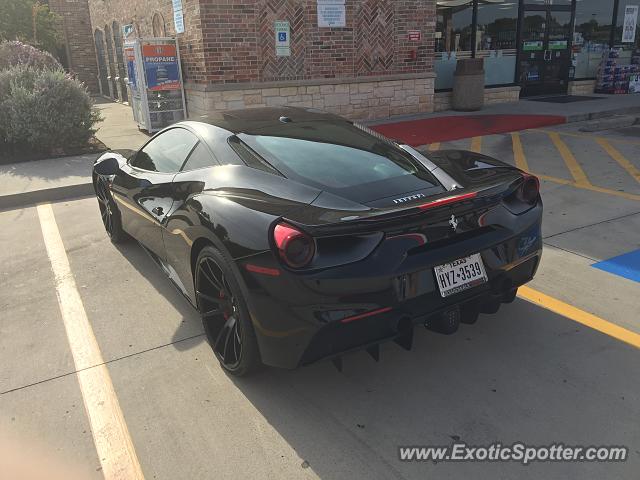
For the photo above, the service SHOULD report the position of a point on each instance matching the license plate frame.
(460, 275)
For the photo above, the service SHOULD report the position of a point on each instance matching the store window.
(496, 39)
(454, 32)
(493, 38)
(591, 36)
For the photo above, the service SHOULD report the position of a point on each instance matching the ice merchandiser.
(155, 82)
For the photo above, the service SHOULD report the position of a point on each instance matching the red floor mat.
(442, 129)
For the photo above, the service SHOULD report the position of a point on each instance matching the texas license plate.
(460, 275)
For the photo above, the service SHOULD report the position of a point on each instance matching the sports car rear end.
(372, 257)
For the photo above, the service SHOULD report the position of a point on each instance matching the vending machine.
(155, 82)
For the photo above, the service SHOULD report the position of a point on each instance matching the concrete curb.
(24, 199)
(583, 117)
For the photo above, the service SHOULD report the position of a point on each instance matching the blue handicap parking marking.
(282, 36)
(626, 265)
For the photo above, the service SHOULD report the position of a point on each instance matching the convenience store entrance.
(544, 48)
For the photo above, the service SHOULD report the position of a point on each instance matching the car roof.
(268, 120)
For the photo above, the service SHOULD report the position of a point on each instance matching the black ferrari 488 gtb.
(299, 235)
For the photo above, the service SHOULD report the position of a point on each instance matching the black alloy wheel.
(109, 212)
(224, 314)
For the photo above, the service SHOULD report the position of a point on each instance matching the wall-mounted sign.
(178, 16)
(283, 38)
(630, 24)
(414, 35)
(532, 46)
(130, 58)
(331, 13)
(161, 67)
(127, 30)
(558, 44)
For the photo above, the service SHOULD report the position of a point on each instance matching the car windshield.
(357, 165)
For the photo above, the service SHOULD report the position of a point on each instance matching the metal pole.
(614, 24)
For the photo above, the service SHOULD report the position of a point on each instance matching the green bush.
(44, 111)
(17, 53)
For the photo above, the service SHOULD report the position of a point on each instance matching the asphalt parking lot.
(527, 374)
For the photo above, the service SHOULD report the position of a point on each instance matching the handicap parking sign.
(282, 38)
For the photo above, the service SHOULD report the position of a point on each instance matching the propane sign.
(161, 67)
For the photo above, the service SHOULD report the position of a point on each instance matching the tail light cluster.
(525, 196)
(529, 189)
(296, 248)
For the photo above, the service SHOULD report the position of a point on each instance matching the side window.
(167, 152)
(200, 157)
(249, 157)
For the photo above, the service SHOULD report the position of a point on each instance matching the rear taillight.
(529, 189)
(296, 248)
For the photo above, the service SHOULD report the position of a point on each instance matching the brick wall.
(140, 14)
(232, 41)
(76, 26)
(367, 69)
(239, 40)
(364, 98)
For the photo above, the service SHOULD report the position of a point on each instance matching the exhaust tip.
(445, 323)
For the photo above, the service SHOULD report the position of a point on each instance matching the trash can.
(468, 85)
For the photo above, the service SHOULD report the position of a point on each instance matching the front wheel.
(225, 316)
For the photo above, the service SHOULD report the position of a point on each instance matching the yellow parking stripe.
(571, 162)
(111, 437)
(593, 188)
(518, 152)
(584, 135)
(580, 316)
(618, 157)
(434, 146)
(476, 144)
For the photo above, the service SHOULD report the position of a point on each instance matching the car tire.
(111, 218)
(224, 312)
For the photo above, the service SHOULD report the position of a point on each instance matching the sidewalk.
(608, 105)
(69, 177)
(118, 130)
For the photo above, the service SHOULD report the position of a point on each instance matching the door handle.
(157, 211)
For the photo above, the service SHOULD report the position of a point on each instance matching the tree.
(17, 21)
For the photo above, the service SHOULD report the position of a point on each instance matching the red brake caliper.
(225, 314)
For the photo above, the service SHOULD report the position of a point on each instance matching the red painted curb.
(443, 129)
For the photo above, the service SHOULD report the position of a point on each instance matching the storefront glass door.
(544, 50)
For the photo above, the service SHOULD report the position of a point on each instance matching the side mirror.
(108, 166)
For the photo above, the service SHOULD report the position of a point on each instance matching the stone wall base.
(358, 100)
(442, 100)
(581, 87)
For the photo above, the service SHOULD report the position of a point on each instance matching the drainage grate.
(564, 99)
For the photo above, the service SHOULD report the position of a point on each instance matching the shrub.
(44, 110)
(17, 53)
